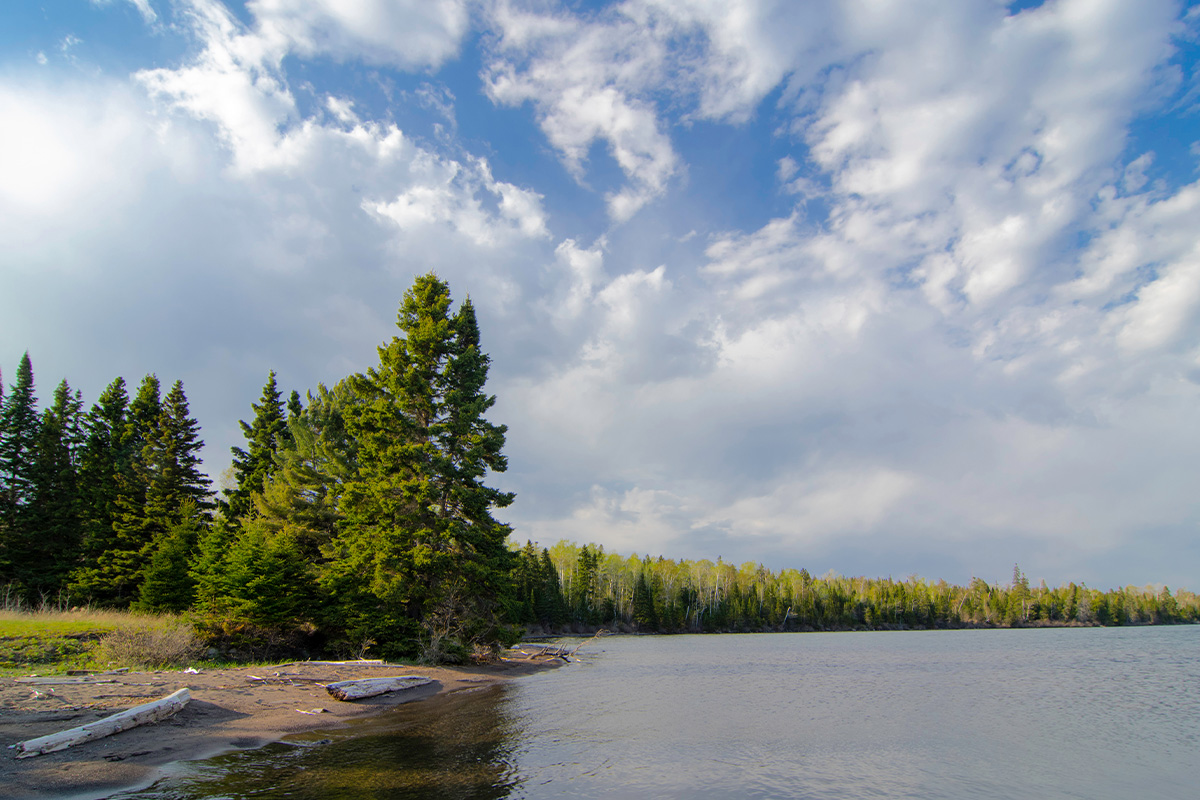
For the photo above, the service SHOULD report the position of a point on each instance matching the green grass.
(52, 641)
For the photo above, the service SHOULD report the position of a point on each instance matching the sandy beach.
(245, 707)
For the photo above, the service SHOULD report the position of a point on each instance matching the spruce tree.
(118, 570)
(177, 487)
(264, 436)
(52, 516)
(314, 462)
(418, 525)
(19, 425)
(105, 468)
(167, 584)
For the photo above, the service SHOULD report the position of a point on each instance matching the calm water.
(1079, 713)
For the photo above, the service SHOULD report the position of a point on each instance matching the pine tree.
(19, 425)
(266, 435)
(418, 521)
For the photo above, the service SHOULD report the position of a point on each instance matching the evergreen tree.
(167, 584)
(314, 462)
(207, 568)
(171, 459)
(550, 608)
(418, 523)
(264, 436)
(269, 583)
(52, 516)
(116, 576)
(19, 426)
(644, 615)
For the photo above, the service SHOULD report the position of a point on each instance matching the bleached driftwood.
(130, 718)
(63, 681)
(357, 662)
(369, 687)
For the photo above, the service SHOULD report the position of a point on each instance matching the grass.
(50, 641)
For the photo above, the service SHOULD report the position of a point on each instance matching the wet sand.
(230, 709)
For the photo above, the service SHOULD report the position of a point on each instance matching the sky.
(883, 288)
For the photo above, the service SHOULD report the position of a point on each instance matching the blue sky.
(876, 287)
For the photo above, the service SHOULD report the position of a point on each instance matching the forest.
(357, 521)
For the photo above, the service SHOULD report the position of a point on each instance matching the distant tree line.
(569, 587)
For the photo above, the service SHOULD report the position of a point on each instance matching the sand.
(230, 709)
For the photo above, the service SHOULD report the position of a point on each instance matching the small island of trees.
(358, 521)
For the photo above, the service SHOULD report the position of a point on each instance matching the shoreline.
(239, 708)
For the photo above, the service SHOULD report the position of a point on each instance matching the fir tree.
(171, 459)
(118, 570)
(167, 584)
(418, 521)
(270, 584)
(264, 436)
(52, 516)
(19, 426)
(106, 467)
(549, 606)
(313, 463)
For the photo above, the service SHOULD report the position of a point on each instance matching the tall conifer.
(18, 440)
(52, 516)
(418, 521)
(264, 436)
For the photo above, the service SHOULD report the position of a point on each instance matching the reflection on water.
(454, 746)
(1077, 713)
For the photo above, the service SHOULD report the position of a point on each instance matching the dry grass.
(158, 646)
(55, 640)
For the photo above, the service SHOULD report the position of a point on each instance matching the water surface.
(1064, 713)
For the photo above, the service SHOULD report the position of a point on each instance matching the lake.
(1053, 713)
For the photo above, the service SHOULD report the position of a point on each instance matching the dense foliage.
(358, 520)
(568, 587)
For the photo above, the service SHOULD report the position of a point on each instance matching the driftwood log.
(369, 687)
(130, 718)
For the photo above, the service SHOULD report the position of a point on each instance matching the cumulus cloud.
(955, 325)
(408, 34)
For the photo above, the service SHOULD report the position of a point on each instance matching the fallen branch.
(369, 687)
(596, 635)
(130, 718)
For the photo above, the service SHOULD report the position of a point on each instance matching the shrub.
(152, 647)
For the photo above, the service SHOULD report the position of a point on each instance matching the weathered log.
(63, 681)
(358, 662)
(369, 687)
(130, 718)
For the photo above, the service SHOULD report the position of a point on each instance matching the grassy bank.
(50, 641)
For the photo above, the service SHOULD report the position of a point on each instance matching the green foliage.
(264, 437)
(19, 429)
(418, 529)
(52, 518)
(269, 583)
(167, 584)
(661, 595)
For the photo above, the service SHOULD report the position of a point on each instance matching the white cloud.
(412, 34)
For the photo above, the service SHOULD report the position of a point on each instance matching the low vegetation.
(47, 640)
